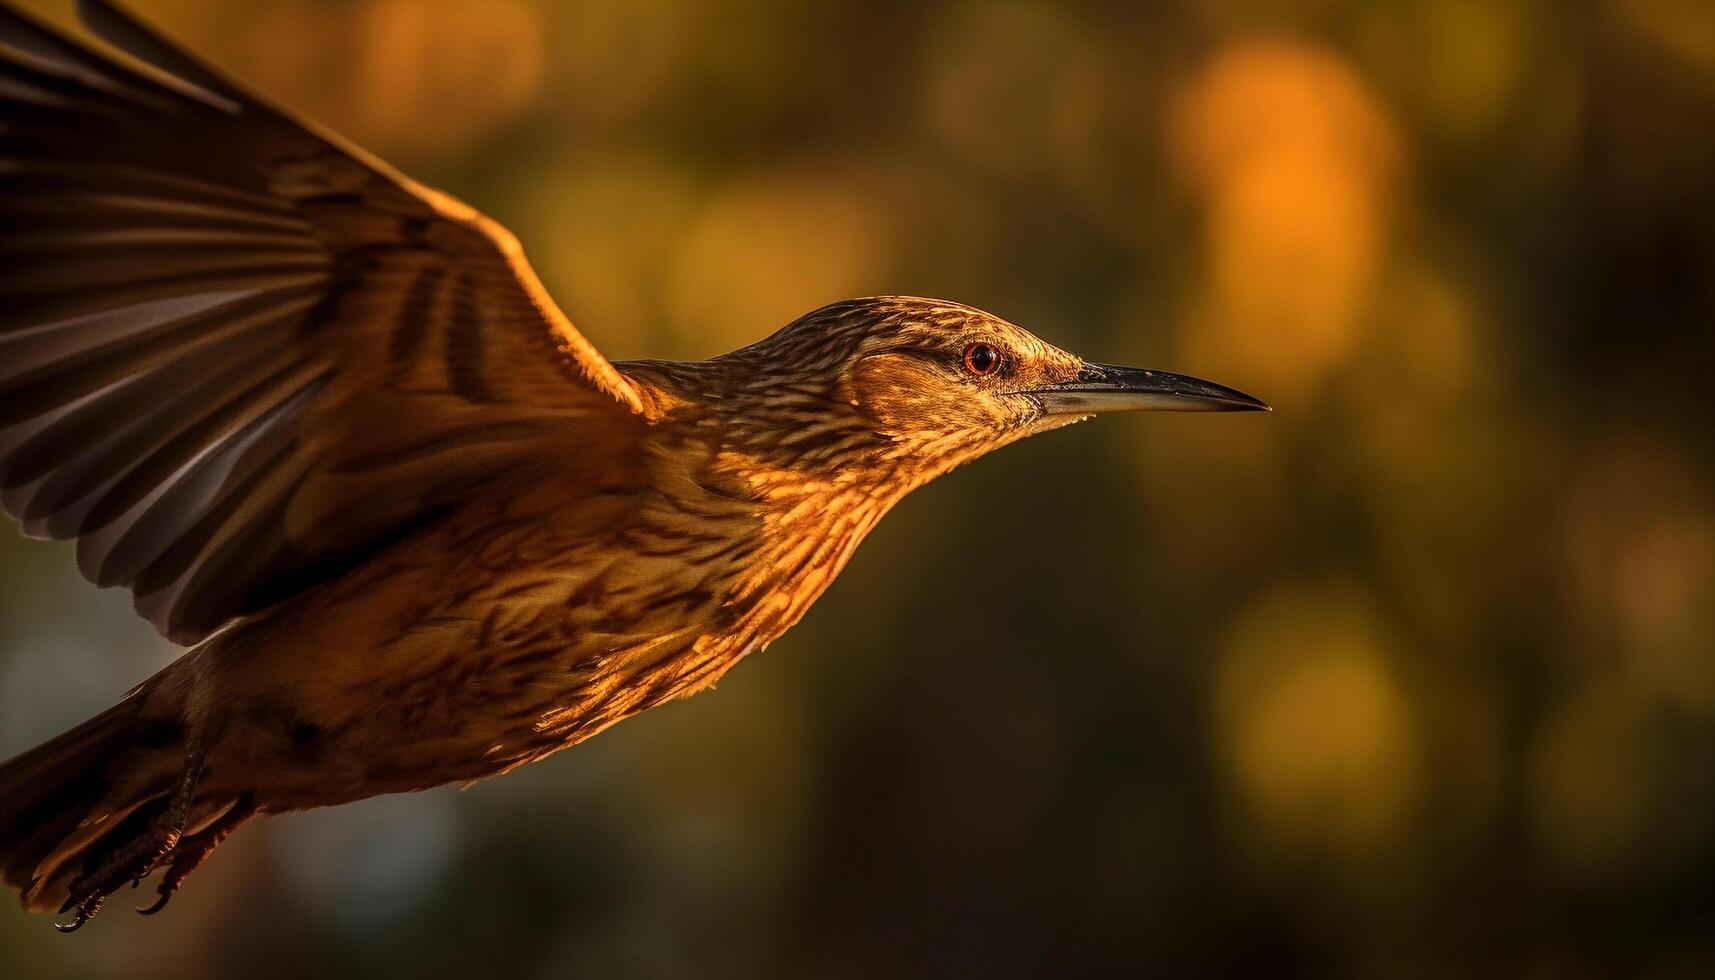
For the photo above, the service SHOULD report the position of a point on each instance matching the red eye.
(982, 360)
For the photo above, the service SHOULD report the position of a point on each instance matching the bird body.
(527, 621)
(330, 430)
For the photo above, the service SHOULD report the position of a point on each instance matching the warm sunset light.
(1412, 675)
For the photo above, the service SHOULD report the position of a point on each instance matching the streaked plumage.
(325, 423)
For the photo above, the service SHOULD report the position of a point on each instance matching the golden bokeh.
(1293, 161)
(1319, 736)
(763, 250)
(434, 76)
(602, 234)
(1461, 62)
(610, 57)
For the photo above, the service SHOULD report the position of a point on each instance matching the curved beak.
(1107, 388)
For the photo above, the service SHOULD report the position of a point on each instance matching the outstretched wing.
(236, 355)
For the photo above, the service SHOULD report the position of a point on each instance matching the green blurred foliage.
(1412, 678)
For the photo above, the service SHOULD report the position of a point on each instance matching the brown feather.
(135, 273)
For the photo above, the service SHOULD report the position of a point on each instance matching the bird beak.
(1106, 388)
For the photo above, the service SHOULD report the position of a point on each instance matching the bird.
(329, 429)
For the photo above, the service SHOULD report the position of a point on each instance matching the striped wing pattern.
(237, 355)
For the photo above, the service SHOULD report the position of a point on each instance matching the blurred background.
(1413, 678)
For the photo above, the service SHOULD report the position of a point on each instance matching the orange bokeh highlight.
(1293, 161)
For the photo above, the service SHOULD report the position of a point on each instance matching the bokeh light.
(1318, 733)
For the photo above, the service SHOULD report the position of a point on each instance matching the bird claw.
(85, 910)
(137, 858)
(192, 851)
(135, 861)
(166, 895)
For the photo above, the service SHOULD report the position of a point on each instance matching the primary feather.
(220, 327)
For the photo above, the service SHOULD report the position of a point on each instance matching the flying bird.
(329, 429)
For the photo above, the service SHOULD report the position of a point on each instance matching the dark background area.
(1413, 678)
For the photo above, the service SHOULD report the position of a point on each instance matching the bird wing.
(237, 356)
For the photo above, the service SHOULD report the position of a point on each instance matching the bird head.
(927, 385)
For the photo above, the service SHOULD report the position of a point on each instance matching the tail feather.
(48, 793)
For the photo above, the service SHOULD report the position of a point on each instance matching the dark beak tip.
(1109, 387)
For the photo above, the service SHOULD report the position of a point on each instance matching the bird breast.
(524, 625)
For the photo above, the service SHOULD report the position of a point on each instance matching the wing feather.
(238, 355)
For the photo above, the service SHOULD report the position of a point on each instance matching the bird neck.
(785, 440)
(788, 465)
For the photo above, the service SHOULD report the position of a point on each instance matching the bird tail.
(60, 801)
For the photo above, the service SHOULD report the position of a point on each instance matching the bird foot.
(132, 862)
(134, 859)
(194, 850)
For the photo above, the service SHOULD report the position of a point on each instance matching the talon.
(86, 909)
(159, 904)
(163, 844)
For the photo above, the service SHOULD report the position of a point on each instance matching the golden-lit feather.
(222, 292)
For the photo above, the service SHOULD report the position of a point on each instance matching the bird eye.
(982, 360)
